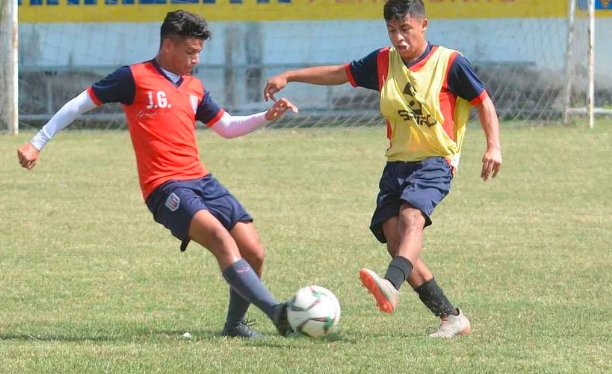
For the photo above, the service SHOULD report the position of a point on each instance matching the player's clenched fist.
(279, 108)
(27, 154)
(273, 85)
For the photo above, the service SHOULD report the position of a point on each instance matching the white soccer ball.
(313, 311)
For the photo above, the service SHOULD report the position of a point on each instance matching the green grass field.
(89, 283)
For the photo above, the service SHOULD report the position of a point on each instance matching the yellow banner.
(275, 10)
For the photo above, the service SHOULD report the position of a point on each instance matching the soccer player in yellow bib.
(426, 93)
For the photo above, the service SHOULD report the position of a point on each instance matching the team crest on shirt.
(194, 102)
(173, 202)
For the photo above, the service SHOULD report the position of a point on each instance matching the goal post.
(587, 95)
(571, 19)
(9, 80)
(591, 64)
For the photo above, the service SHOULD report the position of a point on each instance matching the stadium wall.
(100, 35)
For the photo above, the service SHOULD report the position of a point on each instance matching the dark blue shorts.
(422, 184)
(174, 204)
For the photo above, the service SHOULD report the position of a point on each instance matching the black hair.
(183, 24)
(397, 9)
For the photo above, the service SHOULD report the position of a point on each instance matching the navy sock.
(243, 279)
(432, 296)
(398, 271)
(237, 309)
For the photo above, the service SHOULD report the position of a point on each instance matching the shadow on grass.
(301, 342)
(137, 336)
(197, 335)
(269, 340)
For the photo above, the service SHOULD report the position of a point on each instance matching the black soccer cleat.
(280, 319)
(242, 329)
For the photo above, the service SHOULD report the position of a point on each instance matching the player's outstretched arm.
(28, 153)
(321, 75)
(492, 159)
(229, 126)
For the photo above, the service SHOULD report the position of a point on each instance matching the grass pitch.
(90, 284)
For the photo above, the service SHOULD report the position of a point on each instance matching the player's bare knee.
(216, 239)
(412, 220)
(255, 255)
(221, 238)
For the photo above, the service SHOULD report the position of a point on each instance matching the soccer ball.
(313, 311)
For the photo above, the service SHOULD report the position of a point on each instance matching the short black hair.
(183, 24)
(397, 9)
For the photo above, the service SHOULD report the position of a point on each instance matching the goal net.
(518, 48)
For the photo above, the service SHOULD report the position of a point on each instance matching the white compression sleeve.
(63, 118)
(233, 126)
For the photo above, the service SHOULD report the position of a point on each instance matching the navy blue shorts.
(174, 204)
(422, 184)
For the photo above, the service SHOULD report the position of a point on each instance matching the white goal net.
(518, 48)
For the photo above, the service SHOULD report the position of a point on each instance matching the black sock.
(398, 271)
(243, 279)
(237, 308)
(432, 296)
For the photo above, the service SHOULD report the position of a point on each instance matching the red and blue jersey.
(161, 119)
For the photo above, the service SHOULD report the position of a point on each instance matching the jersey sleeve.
(463, 81)
(208, 111)
(117, 87)
(364, 72)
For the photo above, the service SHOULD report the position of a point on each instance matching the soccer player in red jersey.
(426, 93)
(162, 101)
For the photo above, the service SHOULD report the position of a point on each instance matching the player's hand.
(279, 108)
(273, 85)
(491, 163)
(28, 155)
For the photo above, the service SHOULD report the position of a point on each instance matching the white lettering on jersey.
(158, 101)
